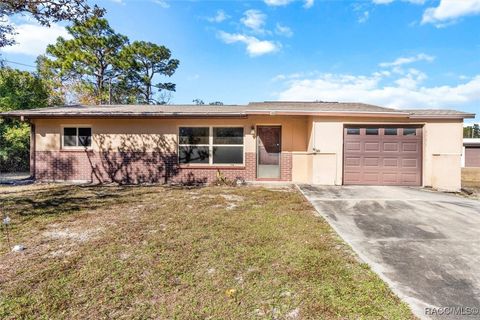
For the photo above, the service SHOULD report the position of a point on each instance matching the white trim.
(473, 141)
(76, 126)
(210, 145)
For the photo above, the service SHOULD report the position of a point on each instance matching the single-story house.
(471, 153)
(326, 143)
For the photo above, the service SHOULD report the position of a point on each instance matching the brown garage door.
(472, 156)
(382, 156)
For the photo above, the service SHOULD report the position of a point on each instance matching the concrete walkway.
(424, 244)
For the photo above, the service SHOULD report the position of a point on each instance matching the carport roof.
(253, 108)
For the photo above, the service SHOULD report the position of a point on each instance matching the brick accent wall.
(286, 166)
(139, 167)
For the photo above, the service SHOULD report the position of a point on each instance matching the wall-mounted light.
(252, 130)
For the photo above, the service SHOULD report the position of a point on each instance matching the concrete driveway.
(424, 244)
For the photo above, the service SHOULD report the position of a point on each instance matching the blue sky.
(397, 53)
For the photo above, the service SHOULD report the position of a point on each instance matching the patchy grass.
(158, 252)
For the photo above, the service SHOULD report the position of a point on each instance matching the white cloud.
(283, 30)
(382, 1)
(411, 79)
(407, 60)
(292, 76)
(363, 17)
(254, 19)
(278, 3)
(220, 16)
(390, 1)
(379, 88)
(450, 10)
(32, 39)
(162, 3)
(308, 4)
(254, 46)
(279, 77)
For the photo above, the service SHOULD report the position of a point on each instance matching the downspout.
(314, 149)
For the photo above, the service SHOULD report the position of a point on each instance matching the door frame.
(256, 152)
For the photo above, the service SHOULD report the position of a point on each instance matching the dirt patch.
(73, 235)
(233, 201)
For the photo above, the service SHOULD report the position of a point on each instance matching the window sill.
(212, 167)
(75, 149)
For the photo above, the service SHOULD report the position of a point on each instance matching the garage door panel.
(353, 177)
(410, 163)
(371, 177)
(409, 178)
(353, 146)
(372, 146)
(410, 147)
(391, 162)
(383, 159)
(353, 162)
(472, 156)
(390, 177)
(371, 162)
(390, 146)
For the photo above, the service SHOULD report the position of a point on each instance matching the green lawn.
(178, 253)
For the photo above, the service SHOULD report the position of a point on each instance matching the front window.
(210, 145)
(74, 137)
(227, 146)
(194, 145)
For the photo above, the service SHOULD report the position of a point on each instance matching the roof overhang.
(39, 114)
(328, 113)
(120, 115)
(442, 116)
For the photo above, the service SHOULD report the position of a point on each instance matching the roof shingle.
(267, 107)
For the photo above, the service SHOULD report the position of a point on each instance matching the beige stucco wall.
(161, 134)
(327, 147)
(302, 167)
(144, 133)
(441, 150)
(316, 143)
